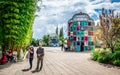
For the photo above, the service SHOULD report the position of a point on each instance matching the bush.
(116, 56)
(95, 55)
(116, 62)
(102, 59)
(104, 56)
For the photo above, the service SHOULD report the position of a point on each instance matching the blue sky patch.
(57, 13)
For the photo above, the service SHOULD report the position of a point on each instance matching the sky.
(55, 13)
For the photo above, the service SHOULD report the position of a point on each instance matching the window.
(78, 28)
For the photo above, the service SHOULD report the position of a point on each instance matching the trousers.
(39, 60)
(30, 62)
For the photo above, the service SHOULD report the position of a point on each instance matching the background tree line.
(46, 38)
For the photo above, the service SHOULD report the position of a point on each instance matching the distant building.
(80, 32)
(54, 40)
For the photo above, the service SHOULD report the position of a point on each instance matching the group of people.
(11, 55)
(8, 55)
(64, 47)
(30, 56)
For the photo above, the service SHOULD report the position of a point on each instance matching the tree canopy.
(110, 26)
(17, 17)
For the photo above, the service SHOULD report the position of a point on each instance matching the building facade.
(80, 32)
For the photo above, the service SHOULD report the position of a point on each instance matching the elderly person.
(40, 55)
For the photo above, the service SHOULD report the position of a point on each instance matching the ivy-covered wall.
(16, 20)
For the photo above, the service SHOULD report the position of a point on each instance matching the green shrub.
(116, 62)
(116, 56)
(103, 56)
(117, 46)
(95, 55)
(103, 59)
(102, 53)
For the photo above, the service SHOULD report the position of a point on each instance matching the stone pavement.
(57, 62)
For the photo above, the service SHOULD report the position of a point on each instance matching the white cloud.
(58, 12)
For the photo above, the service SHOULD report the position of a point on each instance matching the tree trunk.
(112, 49)
(3, 48)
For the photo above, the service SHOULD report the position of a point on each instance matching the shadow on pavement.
(6, 65)
(24, 70)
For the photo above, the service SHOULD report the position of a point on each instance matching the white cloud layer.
(57, 13)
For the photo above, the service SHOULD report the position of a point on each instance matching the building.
(54, 40)
(80, 32)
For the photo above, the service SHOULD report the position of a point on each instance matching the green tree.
(110, 27)
(16, 22)
(57, 30)
(61, 32)
(46, 40)
(61, 36)
(35, 42)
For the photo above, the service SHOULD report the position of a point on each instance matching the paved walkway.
(57, 62)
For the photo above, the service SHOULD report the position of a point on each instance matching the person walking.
(40, 56)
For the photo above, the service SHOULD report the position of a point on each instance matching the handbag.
(28, 55)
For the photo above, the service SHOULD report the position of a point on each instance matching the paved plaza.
(57, 62)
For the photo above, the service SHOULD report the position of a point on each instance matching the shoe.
(25, 69)
(34, 71)
(30, 68)
(38, 70)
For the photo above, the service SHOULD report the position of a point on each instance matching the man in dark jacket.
(40, 55)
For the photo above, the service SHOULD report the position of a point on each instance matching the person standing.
(31, 56)
(40, 56)
(62, 46)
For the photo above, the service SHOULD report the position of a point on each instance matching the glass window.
(89, 23)
(85, 47)
(78, 43)
(78, 28)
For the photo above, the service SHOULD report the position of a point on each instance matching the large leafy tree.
(110, 26)
(16, 22)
